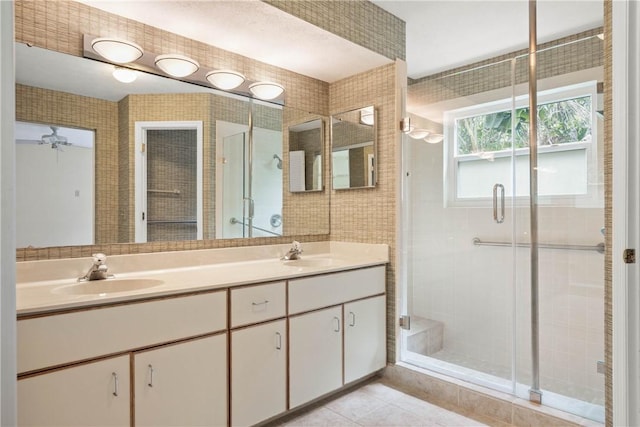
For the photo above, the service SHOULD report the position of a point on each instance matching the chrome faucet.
(294, 252)
(98, 270)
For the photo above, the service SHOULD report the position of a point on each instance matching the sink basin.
(108, 286)
(310, 262)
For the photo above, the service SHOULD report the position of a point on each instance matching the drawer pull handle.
(278, 341)
(260, 303)
(337, 328)
(150, 383)
(353, 318)
(115, 384)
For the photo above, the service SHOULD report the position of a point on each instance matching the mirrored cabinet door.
(305, 156)
(353, 149)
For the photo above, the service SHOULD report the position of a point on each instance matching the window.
(488, 144)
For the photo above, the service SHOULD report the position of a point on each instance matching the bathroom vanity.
(222, 343)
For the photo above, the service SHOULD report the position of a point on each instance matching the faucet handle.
(297, 246)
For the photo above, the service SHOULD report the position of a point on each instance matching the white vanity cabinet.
(325, 312)
(258, 353)
(93, 394)
(183, 384)
(315, 358)
(364, 337)
(258, 372)
(69, 376)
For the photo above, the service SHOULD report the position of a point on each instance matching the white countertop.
(42, 285)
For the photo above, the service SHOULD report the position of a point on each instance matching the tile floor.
(376, 404)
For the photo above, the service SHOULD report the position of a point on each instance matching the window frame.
(560, 93)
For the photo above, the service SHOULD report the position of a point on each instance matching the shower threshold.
(498, 380)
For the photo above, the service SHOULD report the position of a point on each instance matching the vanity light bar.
(217, 79)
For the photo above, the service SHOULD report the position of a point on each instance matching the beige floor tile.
(320, 417)
(356, 404)
(391, 416)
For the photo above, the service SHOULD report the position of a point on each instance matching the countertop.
(186, 272)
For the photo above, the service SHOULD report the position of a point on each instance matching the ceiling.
(445, 34)
(441, 34)
(253, 29)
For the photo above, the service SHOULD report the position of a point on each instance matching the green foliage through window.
(559, 122)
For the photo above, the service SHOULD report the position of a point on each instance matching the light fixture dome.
(225, 79)
(434, 138)
(177, 65)
(117, 50)
(417, 133)
(266, 90)
(125, 75)
(366, 116)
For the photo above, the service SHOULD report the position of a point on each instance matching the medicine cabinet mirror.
(353, 149)
(305, 156)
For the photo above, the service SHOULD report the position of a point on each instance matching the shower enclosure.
(504, 286)
(249, 176)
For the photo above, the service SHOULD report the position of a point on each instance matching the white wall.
(7, 215)
(56, 189)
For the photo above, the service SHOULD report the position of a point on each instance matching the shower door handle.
(498, 218)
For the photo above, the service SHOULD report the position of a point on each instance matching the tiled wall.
(369, 215)
(608, 211)
(358, 21)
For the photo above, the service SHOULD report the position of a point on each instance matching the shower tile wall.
(468, 288)
(171, 165)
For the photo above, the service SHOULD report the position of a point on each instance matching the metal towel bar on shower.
(598, 248)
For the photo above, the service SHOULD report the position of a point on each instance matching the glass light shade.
(434, 138)
(125, 75)
(418, 133)
(266, 90)
(116, 50)
(366, 116)
(225, 79)
(177, 65)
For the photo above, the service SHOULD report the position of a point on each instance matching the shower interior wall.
(470, 288)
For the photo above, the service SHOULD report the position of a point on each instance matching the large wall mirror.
(166, 160)
(353, 149)
(306, 148)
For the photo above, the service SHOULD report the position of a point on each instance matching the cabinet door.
(182, 384)
(365, 349)
(258, 373)
(93, 394)
(315, 354)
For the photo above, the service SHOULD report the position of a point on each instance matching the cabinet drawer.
(323, 291)
(255, 304)
(63, 338)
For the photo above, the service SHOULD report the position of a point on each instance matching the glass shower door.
(463, 221)
(571, 214)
